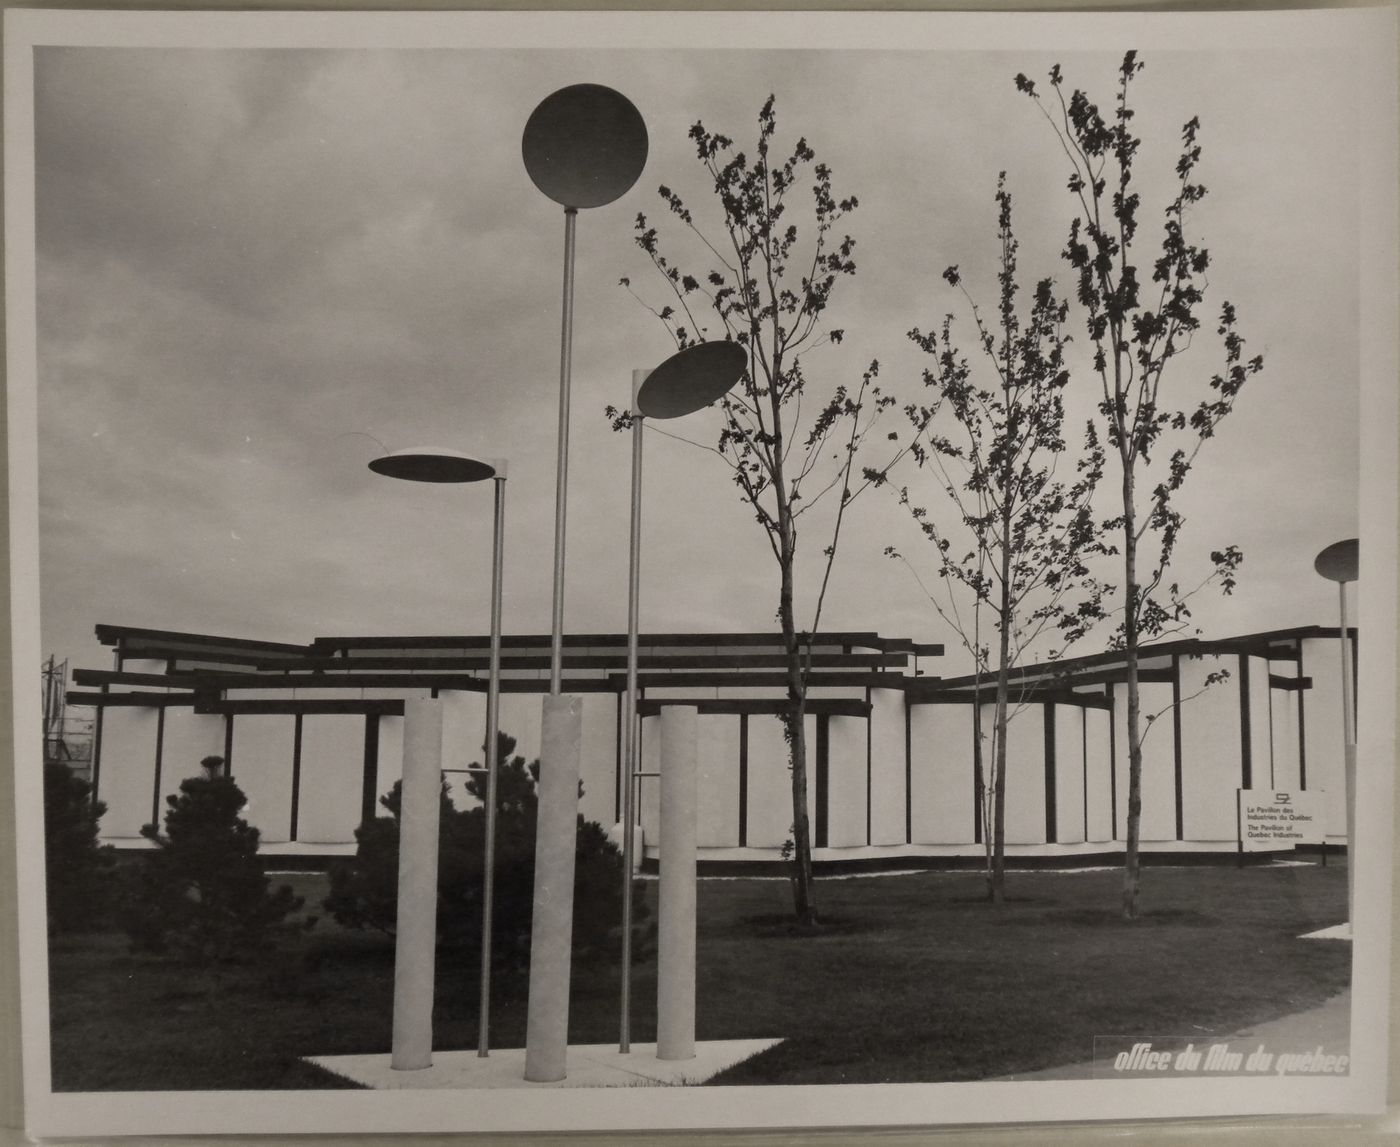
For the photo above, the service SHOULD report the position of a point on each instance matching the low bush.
(77, 870)
(364, 890)
(202, 893)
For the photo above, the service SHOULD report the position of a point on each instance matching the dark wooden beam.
(692, 661)
(749, 706)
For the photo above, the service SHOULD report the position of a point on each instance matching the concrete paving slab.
(1336, 932)
(588, 1065)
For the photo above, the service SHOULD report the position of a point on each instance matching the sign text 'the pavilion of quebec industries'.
(1272, 820)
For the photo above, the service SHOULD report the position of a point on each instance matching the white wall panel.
(1158, 762)
(1283, 715)
(846, 780)
(1025, 773)
(1260, 725)
(1210, 748)
(389, 766)
(1069, 774)
(1097, 754)
(263, 745)
(770, 783)
(1322, 714)
(127, 773)
(521, 716)
(189, 737)
(887, 767)
(941, 776)
(332, 772)
(598, 759)
(463, 735)
(718, 781)
(649, 787)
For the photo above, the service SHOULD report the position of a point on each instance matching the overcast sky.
(254, 264)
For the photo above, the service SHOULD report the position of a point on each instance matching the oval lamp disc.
(585, 145)
(692, 379)
(432, 464)
(1340, 561)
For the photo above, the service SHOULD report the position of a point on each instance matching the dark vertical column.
(1176, 745)
(1273, 781)
(228, 745)
(97, 749)
(160, 750)
(1302, 727)
(1246, 734)
(823, 801)
(1112, 759)
(369, 782)
(617, 760)
(976, 794)
(296, 777)
(869, 758)
(908, 770)
(1084, 766)
(743, 780)
(1052, 831)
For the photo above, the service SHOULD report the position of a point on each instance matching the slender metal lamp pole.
(688, 381)
(436, 465)
(561, 481)
(493, 726)
(629, 718)
(583, 146)
(1348, 754)
(1341, 563)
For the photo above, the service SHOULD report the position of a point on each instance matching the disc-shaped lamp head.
(692, 379)
(1340, 561)
(585, 145)
(433, 464)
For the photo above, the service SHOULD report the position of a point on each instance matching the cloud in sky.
(249, 261)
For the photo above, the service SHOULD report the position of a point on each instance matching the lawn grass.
(912, 978)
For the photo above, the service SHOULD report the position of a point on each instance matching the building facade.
(313, 734)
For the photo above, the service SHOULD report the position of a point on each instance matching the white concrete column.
(675, 961)
(551, 939)
(416, 932)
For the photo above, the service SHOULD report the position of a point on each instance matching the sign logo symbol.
(1283, 798)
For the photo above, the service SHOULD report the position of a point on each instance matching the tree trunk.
(1003, 688)
(804, 901)
(1130, 646)
(998, 889)
(983, 791)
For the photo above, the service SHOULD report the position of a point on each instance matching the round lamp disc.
(1340, 561)
(585, 145)
(692, 379)
(432, 464)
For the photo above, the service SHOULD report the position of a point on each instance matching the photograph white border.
(92, 1114)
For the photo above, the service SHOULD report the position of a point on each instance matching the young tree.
(1138, 326)
(994, 451)
(768, 286)
(202, 891)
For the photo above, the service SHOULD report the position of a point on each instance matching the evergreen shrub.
(364, 889)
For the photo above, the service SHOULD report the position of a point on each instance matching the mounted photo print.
(650, 571)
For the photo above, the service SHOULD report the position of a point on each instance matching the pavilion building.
(313, 734)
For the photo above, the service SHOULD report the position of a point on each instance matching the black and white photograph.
(617, 571)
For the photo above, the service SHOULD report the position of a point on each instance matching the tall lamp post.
(686, 382)
(583, 146)
(432, 464)
(1340, 562)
